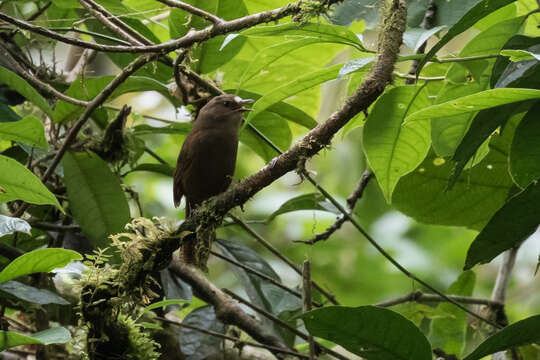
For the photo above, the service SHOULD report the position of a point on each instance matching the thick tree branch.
(189, 39)
(320, 136)
(227, 311)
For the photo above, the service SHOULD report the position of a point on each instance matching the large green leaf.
(504, 65)
(520, 333)
(447, 132)
(283, 109)
(475, 197)
(323, 32)
(275, 128)
(510, 225)
(28, 130)
(312, 201)
(479, 101)
(488, 42)
(370, 332)
(482, 127)
(199, 345)
(22, 87)
(55, 335)
(32, 294)
(524, 157)
(293, 87)
(448, 333)
(477, 12)
(392, 148)
(19, 183)
(270, 54)
(41, 260)
(95, 196)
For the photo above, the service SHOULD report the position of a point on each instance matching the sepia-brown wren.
(207, 160)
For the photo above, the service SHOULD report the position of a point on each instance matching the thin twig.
(306, 303)
(193, 10)
(351, 203)
(420, 297)
(233, 339)
(281, 323)
(282, 257)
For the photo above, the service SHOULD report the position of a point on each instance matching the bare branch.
(420, 297)
(227, 311)
(193, 10)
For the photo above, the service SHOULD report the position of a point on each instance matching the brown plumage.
(207, 160)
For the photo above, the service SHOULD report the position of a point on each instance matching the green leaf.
(505, 72)
(286, 111)
(29, 130)
(394, 149)
(520, 55)
(525, 151)
(41, 260)
(32, 294)
(19, 183)
(480, 10)
(9, 225)
(355, 65)
(415, 37)
(270, 54)
(20, 85)
(323, 32)
(479, 101)
(7, 115)
(95, 196)
(520, 333)
(513, 223)
(291, 88)
(448, 333)
(196, 344)
(55, 335)
(370, 332)
(312, 201)
(475, 197)
(275, 128)
(481, 128)
(447, 132)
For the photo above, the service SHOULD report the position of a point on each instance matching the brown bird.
(207, 160)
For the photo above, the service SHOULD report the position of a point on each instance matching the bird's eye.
(227, 103)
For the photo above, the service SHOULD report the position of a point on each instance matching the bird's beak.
(245, 101)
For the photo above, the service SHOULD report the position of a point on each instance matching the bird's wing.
(184, 162)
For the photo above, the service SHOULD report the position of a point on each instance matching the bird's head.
(223, 110)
